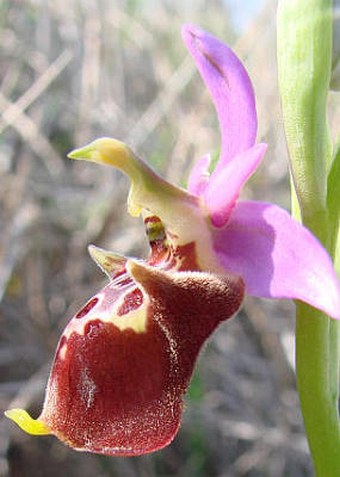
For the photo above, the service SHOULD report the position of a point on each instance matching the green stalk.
(304, 62)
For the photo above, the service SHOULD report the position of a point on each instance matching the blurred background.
(71, 71)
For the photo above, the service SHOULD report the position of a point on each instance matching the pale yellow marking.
(135, 319)
(27, 423)
(62, 351)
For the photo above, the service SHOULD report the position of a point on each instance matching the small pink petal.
(230, 88)
(199, 176)
(225, 184)
(277, 257)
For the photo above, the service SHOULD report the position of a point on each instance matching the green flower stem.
(304, 62)
(333, 203)
(316, 345)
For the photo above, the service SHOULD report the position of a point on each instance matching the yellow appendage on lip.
(27, 423)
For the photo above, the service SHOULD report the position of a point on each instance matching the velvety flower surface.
(125, 360)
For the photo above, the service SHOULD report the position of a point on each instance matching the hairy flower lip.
(82, 383)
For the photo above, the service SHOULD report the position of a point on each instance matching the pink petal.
(230, 88)
(225, 185)
(199, 176)
(277, 257)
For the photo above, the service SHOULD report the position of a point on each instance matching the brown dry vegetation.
(75, 70)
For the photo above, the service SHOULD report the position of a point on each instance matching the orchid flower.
(124, 361)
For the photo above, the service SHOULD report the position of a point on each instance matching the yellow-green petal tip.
(110, 152)
(83, 153)
(27, 424)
